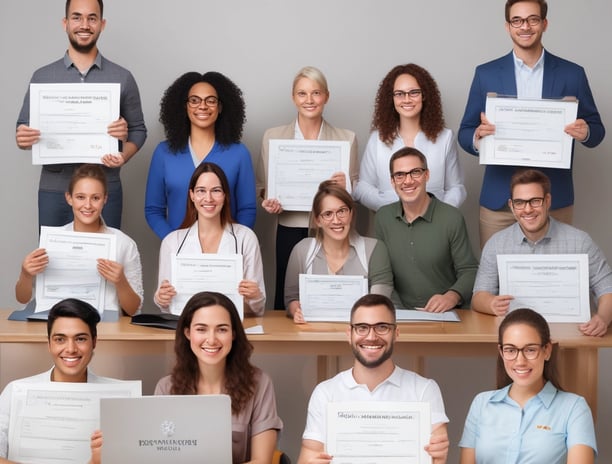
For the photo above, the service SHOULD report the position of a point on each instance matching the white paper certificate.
(206, 272)
(378, 432)
(330, 297)
(52, 422)
(297, 167)
(529, 132)
(72, 271)
(556, 286)
(73, 121)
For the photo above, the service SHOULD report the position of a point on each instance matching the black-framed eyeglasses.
(415, 174)
(531, 352)
(401, 94)
(535, 202)
(380, 328)
(340, 213)
(532, 20)
(194, 101)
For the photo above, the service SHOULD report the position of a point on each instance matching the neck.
(78, 226)
(310, 127)
(408, 129)
(202, 140)
(336, 248)
(523, 393)
(211, 380)
(372, 376)
(83, 60)
(529, 56)
(415, 209)
(209, 226)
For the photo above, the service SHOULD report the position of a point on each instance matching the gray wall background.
(260, 45)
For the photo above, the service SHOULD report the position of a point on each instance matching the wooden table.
(475, 335)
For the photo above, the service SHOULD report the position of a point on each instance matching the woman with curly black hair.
(213, 357)
(203, 116)
(408, 113)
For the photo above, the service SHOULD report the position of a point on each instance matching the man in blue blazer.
(527, 72)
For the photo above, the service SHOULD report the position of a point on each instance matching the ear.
(547, 351)
(186, 332)
(105, 198)
(326, 98)
(548, 200)
(93, 342)
(68, 198)
(348, 334)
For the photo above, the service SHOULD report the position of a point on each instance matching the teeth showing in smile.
(70, 359)
(211, 350)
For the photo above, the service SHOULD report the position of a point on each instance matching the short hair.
(329, 188)
(530, 176)
(191, 214)
(386, 119)
(312, 73)
(173, 109)
(373, 299)
(87, 171)
(542, 3)
(407, 151)
(71, 307)
(100, 4)
(535, 320)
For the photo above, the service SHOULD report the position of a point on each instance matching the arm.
(487, 303)
(156, 202)
(368, 190)
(295, 267)
(353, 162)
(380, 273)
(112, 271)
(438, 444)
(580, 454)
(34, 263)
(468, 456)
(262, 447)
(165, 291)
(588, 116)
(252, 287)
(464, 262)
(246, 206)
(454, 188)
(313, 452)
(471, 117)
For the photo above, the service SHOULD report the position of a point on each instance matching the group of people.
(202, 194)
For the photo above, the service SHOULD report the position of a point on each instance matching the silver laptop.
(180, 429)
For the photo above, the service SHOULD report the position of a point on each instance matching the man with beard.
(527, 72)
(374, 377)
(83, 62)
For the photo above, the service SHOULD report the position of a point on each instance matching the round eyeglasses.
(215, 192)
(194, 101)
(340, 213)
(531, 352)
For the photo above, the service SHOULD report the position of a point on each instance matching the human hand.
(35, 262)
(596, 327)
(25, 136)
(485, 128)
(500, 304)
(111, 270)
(249, 289)
(339, 178)
(113, 160)
(438, 446)
(579, 129)
(95, 444)
(272, 206)
(440, 303)
(165, 293)
(118, 129)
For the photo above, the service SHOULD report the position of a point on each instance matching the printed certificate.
(52, 422)
(329, 298)
(72, 271)
(73, 121)
(556, 286)
(297, 167)
(211, 272)
(378, 431)
(529, 132)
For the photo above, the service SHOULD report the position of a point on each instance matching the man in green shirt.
(432, 260)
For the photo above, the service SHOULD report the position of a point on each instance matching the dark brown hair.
(326, 188)
(87, 171)
(542, 3)
(530, 176)
(373, 299)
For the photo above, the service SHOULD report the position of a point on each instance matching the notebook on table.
(179, 429)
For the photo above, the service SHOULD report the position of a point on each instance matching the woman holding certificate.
(530, 418)
(203, 116)
(208, 228)
(408, 113)
(310, 94)
(87, 195)
(336, 249)
(213, 357)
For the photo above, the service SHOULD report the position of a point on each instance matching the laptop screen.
(178, 429)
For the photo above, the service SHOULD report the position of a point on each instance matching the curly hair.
(173, 109)
(386, 118)
(239, 372)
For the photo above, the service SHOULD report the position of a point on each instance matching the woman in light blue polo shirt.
(529, 419)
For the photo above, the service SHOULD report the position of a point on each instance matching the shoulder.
(111, 65)
(387, 211)
(561, 62)
(44, 70)
(495, 64)
(162, 149)
(336, 133)
(447, 211)
(242, 233)
(122, 236)
(163, 385)
(279, 132)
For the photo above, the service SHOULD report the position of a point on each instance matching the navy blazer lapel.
(548, 81)
(507, 75)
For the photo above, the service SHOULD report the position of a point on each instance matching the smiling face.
(532, 220)
(410, 191)
(527, 374)
(526, 37)
(87, 199)
(335, 227)
(203, 116)
(309, 98)
(83, 25)
(208, 196)
(210, 336)
(71, 346)
(372, 350)
(406, 106)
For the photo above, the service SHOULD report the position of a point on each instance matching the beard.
(375, 362)
(86, 48)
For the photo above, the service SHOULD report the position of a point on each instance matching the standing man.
(84, 63)
(528, 71)
(430, 251)
(374, 377)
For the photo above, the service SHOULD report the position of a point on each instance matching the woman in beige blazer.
(310, 94)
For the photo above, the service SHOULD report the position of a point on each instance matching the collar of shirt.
(545, 396)
(427, 216)
(519, 237)
(394, 379)
(97, 62)
(529, 81)
(298, 132)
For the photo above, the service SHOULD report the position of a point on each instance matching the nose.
(71, 346)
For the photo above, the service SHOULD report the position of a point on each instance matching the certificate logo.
(168, 428)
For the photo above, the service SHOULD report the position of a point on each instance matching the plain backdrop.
(260, 45)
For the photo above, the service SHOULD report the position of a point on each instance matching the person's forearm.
(23, 288)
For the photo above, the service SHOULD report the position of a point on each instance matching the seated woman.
(87, 195)
(529, 419)
(336, 249)
(213, 357)
(208, 228)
